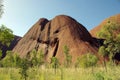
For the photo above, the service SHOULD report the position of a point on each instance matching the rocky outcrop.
(115, 18)
(51, 36)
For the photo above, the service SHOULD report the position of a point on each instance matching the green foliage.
(111, 33)
(104, 53)
(25, 64)
(54, 63)
(88, 60)
(6, 35)
(11, 60)
(36, 58)
(63, 74)
(99, 76)
(68, 57)
(66, 50)
(8, 60)
(40, 57)
(77, 64)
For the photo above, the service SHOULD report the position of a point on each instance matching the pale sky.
(20, 15)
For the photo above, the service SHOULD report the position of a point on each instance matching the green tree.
(40, 57)
(54, 63)
(11, 60)
(16, 60)
(36, 58)
(110, 32)
(68, 57)
(102, 51)
(8, 60)
(6, 35)
(25, 64)
(88, 60)
(77, 64)
(32, 58)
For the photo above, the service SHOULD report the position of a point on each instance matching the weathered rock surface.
(115, 18)
(51, 36)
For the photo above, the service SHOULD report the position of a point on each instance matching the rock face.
(51, 36)
(12, 45)
(115, 18)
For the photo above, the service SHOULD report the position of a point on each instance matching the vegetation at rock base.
(111, 35)
(104, 54)
(88, 60)
(57, 72)
(68, 74)
(54, 63)
(36, 58)
(68, 57)
(30, 69)
(11, 60)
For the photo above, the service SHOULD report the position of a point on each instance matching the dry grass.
(62, 74)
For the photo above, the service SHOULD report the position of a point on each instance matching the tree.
(111, 35)
(1, 7)
(88, 60)
(25, 64)
(40, 57)
(102, 51)
(6, 35)
(68, 57)
(11, 60)
(77, 64)
(8, 60)
(36, 58)
(54, 63)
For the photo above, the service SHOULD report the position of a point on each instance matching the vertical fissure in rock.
(56, 48)
(48, 40)
(43, 22)
(37, 46)
(48, 34)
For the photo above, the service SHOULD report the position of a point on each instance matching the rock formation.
(115, 18)
(51, 36)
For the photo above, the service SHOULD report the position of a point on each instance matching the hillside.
(115, 18)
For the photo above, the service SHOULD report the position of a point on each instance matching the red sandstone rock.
(51, 36)
(115, 18)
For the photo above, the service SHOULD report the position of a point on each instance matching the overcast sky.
(20, 15)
